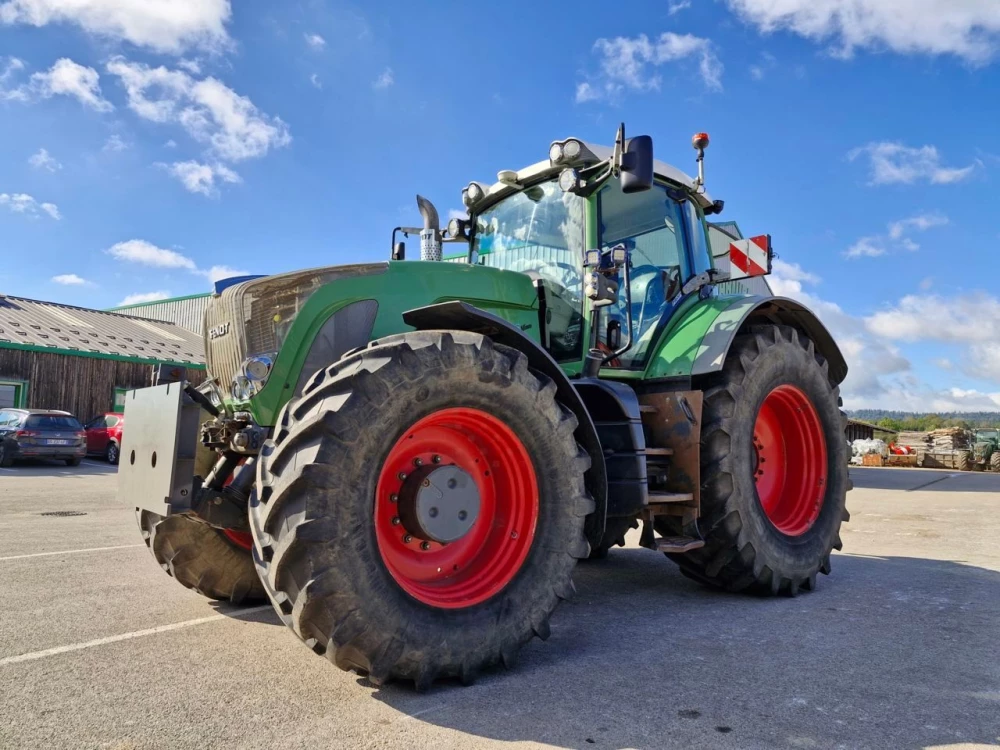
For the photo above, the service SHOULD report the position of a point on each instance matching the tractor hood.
(254, 317)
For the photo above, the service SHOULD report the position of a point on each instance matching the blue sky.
(147, 147)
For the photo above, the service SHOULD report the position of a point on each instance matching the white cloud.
(70, 279)
(9, 68)
(217, 273)
(970, 318)
(148, 254)
(65, 78)
(896, 236)
(314, 80)
(170, 144)
(201, 178)
(879, 374)
(866, 247)
(920, 222)
(793, 272)
(44, 160)
(191, 66)
(169, 26)
(944, 363)
(207, 109)
(22, 203)
(969, 29)
(115, 143)
(315, 41)
(630, 63)
(385, 80)
(135, 299)
(894, 163)
(675, 8)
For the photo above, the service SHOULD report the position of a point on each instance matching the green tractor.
(986, 449)
(409, 458)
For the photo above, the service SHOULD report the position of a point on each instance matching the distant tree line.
(916, 422)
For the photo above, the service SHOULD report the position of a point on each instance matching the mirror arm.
(628, 313)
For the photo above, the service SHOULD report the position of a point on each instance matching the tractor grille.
(255, 316)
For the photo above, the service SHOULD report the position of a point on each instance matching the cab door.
(651, 224)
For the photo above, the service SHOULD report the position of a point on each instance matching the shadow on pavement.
(888, 652)
(925, 480)
(42, 467)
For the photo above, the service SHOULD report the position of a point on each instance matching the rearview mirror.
(637, 164)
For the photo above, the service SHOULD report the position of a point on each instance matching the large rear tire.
(215, 563)
(774, 471)
(995, 460)
(963, 461)
(349, 573)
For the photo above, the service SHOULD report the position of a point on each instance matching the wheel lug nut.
(401, 476)
(395, 521)
(435, 459)
(427, 483)
(407, 539)
(418, 462)
(425, 546)
(513, 535)
(393, 498)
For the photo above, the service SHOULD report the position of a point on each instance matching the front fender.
(698, 342)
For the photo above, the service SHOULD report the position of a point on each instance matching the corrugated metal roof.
(48, 325)
(187, 312)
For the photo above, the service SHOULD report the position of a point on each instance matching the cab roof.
(544, 168)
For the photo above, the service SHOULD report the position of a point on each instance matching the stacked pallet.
(949, 439)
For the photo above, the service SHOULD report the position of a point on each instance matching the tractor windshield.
(987, 435)
(541, 231)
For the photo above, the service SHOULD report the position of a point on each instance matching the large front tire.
(774, 470)
(351, 578)
(215, 563)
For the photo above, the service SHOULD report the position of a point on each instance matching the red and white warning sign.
(750, 257)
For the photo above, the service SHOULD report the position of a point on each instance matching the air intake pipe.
(430, 235)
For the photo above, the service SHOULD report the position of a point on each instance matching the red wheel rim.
(790, 465)
(239, 538)
(478, 565)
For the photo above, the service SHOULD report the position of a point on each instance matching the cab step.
(659, 498)
(678, 544)
(651, 452)
(647, 409)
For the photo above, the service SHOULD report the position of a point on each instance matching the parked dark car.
(41, 433)
(104, 436)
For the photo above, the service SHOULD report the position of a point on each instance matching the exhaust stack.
(430, 235)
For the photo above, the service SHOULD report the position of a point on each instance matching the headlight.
(242, 389)
(211, 389)
(571, 149)
(455, 228)
(258, 367)
(569, 180)
(476, 193)
(556, 153)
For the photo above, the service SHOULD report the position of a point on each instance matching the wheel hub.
(439, 504)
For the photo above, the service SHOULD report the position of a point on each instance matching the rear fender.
(699, 341)
(462, 316)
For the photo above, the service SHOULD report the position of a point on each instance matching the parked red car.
(104, 436)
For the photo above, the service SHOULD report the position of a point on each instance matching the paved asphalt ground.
(899, 648)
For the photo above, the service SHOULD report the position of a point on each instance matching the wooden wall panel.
(84, 386)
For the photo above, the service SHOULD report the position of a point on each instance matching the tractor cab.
(542, 221)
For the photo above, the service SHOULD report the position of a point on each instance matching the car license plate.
(57, 442)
